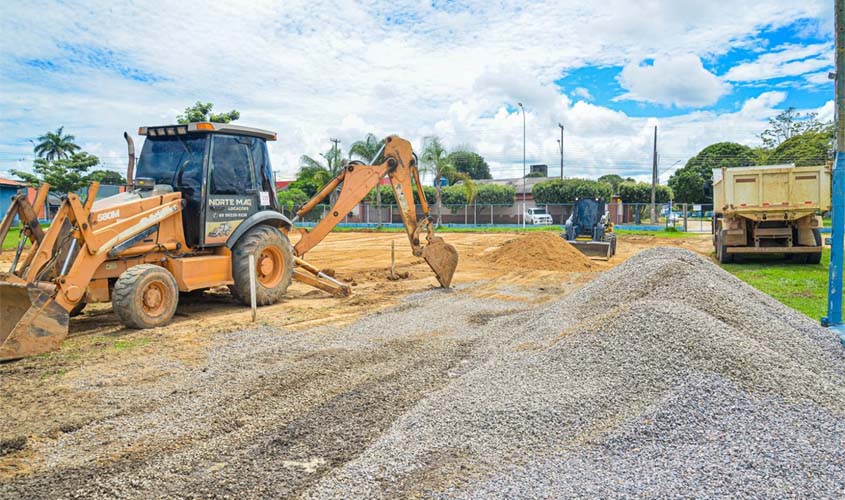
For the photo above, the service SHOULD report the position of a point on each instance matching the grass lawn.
(800, 286)
(11, 241)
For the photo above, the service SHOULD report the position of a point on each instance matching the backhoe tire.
(145, 296)
(273, 265)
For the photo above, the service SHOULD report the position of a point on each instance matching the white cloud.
(787, 60)
(583, 93)
(314, 69)
(679, 80)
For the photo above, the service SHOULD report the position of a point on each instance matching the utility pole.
(654, 180)
(524, 192)
(837, 239)
(561, 150)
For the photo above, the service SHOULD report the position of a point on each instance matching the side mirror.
(707, 188)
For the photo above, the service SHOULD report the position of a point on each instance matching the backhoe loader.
(200, 201)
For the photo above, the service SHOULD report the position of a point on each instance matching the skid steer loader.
(589, 229)
(200, 202)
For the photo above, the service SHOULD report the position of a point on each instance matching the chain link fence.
(682, 217)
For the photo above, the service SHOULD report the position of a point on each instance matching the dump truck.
(588, 228)
(773, 209)
(199, 206)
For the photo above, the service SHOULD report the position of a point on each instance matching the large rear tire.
(145, 296)
(816, 258)
(273, 265)
(722, 254)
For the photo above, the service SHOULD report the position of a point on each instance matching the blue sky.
(701, 72)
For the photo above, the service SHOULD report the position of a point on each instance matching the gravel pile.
(665, 377)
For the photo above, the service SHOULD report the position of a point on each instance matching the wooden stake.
(252, 286)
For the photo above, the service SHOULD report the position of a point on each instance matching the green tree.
(688, 187)
(787, 124)
(809, 148)
(366, 149)
(612, 179)
(470, 163)
(568, 190)
(201, 112)
(435, 160)
(55, 145)
(109, 177)
(292, 199)
(65, 175)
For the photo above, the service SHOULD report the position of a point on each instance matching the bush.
(485, 194)
(387, 197)
(568, 190)
(640, 192)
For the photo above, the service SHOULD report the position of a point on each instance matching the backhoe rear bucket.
(593, 249)
(30, 321)
(442, 258)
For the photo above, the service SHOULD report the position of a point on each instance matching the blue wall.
(6, 194)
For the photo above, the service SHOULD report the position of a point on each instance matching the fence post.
(491, 214)
(466, 214)
(685, 217)
(390, 214)
(475, 214)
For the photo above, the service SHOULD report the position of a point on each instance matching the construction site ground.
(310, 387)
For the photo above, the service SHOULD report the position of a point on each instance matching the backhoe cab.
(200, 202)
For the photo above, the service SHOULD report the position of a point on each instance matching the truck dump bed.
(783, 192)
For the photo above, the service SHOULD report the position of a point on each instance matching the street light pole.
(561, 150)
(524, 192)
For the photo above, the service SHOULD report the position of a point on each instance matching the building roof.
(10, 182)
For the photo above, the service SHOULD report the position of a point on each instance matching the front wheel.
(145, 296)
(273, 265)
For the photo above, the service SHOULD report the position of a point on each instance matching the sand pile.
(540, 250)
(664, 377)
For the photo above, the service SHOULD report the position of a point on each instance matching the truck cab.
(538, 215)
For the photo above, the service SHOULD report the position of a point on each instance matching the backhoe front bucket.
(442, 258)
(30, 321)
(593, 249)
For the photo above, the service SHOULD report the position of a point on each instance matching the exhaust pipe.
(31, 322)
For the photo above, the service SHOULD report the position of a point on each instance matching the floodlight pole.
(837, 240)
(524, 192)
(561, 150)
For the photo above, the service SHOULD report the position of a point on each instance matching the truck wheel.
(816, 258)
(273, 265)
(145, 296)
(722, 254)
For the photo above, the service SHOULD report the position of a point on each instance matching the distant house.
(8, 189)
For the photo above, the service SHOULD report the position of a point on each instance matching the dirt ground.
(103, 369)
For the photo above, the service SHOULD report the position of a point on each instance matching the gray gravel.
(664, 377)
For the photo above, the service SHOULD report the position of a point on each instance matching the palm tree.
(54, 145)
(435, 160)
(321, 171)
(367, 151)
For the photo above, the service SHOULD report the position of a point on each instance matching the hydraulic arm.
(358, 179)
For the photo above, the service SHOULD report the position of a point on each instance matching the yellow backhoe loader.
(200, 201)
